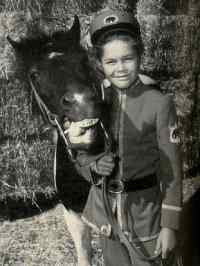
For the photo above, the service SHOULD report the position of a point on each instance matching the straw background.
(171, 35)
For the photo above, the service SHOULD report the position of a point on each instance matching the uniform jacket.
(143, 125)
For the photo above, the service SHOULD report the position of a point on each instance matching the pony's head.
(58, 69)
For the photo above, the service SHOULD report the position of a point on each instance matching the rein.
(52, 118)
(118, 233)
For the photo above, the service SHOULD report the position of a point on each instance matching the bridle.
(51, 118)
(54, 121)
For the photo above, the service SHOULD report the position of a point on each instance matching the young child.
(145, 152)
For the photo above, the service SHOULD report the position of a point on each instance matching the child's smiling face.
(120, 62)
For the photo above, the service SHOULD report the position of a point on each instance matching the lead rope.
(47, 115)
(117, 230)
(66, 141)
(118, 233)
(55, 165)
(114, 224)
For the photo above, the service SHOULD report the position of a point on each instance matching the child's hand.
(166, 242)
(104, 165)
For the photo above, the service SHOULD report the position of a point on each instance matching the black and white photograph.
(99, 133)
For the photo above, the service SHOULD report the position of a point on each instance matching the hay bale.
(171, 44)
(164, 7)
(19, 5)
(172, 55)
(26, 169)
(183, 90)
(171, 50)
(17, 120)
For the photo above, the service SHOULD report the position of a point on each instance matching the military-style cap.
(109, 20)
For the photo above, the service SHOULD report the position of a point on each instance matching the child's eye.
(110, 62)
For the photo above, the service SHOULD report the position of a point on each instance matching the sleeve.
(170, 166)
(83, 165)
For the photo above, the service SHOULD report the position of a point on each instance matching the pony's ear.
(59, 39)
(75, 29)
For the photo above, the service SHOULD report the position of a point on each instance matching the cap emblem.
(110, 19)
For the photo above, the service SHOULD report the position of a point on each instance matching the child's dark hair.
(117, 35)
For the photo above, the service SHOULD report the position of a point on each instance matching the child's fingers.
(165, 252)
(105, 168)
(104, 172)
(106, 159)
(106, 164)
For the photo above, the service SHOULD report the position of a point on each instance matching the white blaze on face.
(78, 97)
(54, 54)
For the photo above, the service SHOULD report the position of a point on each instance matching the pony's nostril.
(66, 101)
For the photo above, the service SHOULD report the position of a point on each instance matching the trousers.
(115, 254)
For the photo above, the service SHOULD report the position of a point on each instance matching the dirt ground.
(40, 240)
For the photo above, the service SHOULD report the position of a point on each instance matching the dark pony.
(65, 88)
